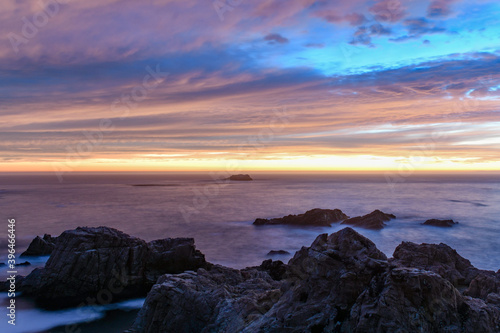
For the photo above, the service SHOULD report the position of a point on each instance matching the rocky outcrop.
(446, 262)
(374, 220)
(313, 217)
(40, 246)
(440, 223)
(341, 283)
(91, 262)
(240, 177)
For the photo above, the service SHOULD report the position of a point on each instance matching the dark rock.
(446, 262)
(412, 300)
(26, 263)
(341, 283)
(2, 264)
(278, 252)
(91, 262)
(276, 269)
(440, 259)
(374, 220)
(440, 223)
(40, 246)
(216, 300)
(5, 284)
(240, 177)
(315, 217)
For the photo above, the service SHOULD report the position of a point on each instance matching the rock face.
(240, 177)
(316, 217)
(41, 246)
(92, 262)
(446, 262)
(341, 283)
(440, 223)
(374, 220)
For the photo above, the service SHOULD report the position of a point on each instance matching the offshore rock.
(313, 217)
(374, 220)
(440, 223)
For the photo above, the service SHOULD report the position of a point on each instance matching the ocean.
(219, 214)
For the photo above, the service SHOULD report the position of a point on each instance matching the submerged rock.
(26, 263)
(440, 223)
(106, 263)
(374, 220)
(315, 217)
(40, 246)
(277, 252)
(240, 177)
(341, 283)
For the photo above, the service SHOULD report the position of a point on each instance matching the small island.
(240, 177)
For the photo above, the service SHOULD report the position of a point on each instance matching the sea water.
(219, 214)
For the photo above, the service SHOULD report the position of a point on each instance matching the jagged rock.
(440, 223)
(440, 259)
(341, 283)
(374, 220)
(240, 177)
(216, 300)
(26, 263)
(446, 262)
(93, 262)
(316, 217)
(277, 252)
(414, 300)
(484, 285)
(276, 269)
(40, 246)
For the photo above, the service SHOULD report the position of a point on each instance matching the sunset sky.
(177, 85)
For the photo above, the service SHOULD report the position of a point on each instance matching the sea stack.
(240, 177)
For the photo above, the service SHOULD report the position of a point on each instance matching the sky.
(238, 85)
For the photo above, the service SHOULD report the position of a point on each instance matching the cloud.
(274, 38)
(388, 11)
(315, 45)
(418, 27)
(440, 8)
(363, 35)
(333, 16)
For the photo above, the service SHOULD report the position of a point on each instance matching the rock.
(2, 264)
(26, 263)
(446, 262)
(278, 252)
(40, 246)
(276, 269)
(485, 285)
(216, 300)
(413, 300)
(440, 259)
(374, 220)
(314, 217)
(440, 223)
(240, 177)
(108, 264)
(341, 283)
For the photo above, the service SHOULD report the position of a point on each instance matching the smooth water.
(219, 215)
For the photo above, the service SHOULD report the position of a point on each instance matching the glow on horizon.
(313, 85)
